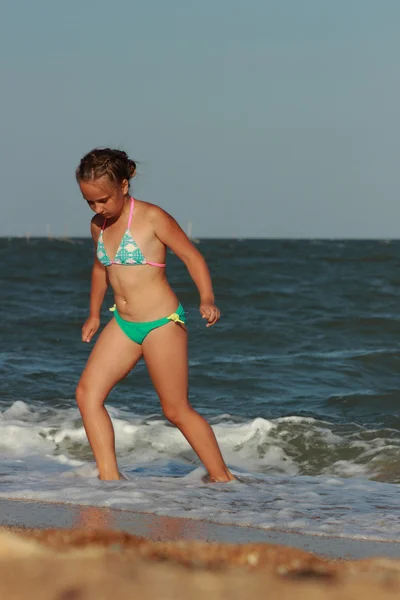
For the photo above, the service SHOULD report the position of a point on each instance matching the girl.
(130, 238)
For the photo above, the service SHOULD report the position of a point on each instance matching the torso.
(142, 292)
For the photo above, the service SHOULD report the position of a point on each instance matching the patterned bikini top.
(128, 252)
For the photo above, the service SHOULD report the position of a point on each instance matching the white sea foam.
(300, 474)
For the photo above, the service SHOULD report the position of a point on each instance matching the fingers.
(88, 332)
(215, 315)
(89, 336)
(212, 314)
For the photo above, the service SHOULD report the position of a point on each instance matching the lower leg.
(100, 433)
(168, 370)
(200, 436)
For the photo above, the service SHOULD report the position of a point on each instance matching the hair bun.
(131, 168)
(110, 162)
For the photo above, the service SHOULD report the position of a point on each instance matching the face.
(105, 197)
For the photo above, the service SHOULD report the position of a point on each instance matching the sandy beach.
(50, 515)
(70, 552)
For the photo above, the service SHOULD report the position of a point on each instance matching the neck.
(124, 210)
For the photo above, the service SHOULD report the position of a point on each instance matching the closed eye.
(101, 201)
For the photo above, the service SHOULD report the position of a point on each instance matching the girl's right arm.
(97, 292)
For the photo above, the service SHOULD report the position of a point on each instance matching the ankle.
(109, 475)
(224, 477)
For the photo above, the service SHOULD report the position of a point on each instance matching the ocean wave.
(293, 445)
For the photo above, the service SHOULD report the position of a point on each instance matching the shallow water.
(299, 380)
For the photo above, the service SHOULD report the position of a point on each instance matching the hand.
(209, 312)
(89, 328)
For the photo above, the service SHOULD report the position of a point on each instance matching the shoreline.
(33, 514)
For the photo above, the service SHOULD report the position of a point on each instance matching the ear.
(125, 187)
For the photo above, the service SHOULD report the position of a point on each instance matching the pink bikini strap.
(104, 224)
(131, 211)
(153, 264)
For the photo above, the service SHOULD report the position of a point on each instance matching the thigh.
(111, 359)
(166, 355)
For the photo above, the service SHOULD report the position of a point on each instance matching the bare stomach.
(142, 293)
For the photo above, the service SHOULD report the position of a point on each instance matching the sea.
(300, 381)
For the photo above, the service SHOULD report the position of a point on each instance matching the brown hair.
(105, 161)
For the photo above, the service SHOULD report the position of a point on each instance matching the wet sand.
(44, 515)
(68, 552)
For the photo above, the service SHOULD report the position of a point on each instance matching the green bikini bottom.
(138, 331)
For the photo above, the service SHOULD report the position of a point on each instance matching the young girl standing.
(131, 238)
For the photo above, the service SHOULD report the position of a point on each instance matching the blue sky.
(270, 118)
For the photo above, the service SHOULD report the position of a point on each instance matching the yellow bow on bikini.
(175, 318)
(112, 308)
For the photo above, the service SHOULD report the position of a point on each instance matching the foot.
(111, 477)
(226, 478)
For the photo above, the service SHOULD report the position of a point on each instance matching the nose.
(98, 210)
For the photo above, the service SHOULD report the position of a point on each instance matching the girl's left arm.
(170, 233)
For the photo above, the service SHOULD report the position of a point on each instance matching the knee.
(80, 393)
(84, 396)
(175, 414)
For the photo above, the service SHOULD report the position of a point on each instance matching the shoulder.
(95, 226)
(154, 213)
(166, 228)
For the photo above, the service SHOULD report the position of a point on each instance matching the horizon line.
(205, 238)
